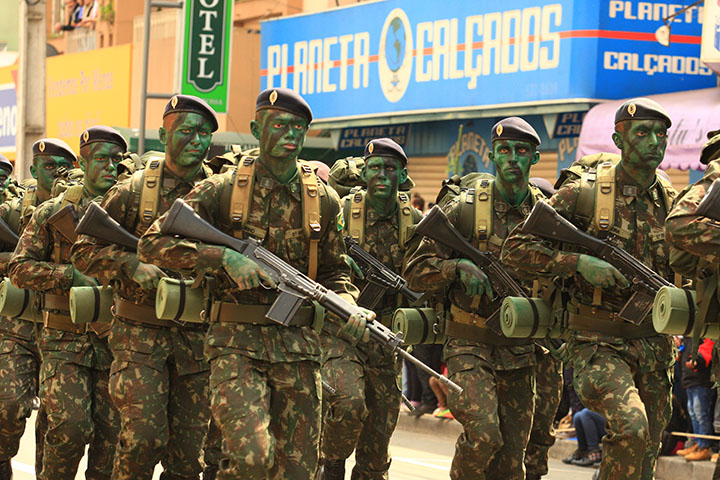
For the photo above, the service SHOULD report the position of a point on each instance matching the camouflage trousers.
(549, 386)
(212, 450)
(269, 414)
(19, 376)
(159, 384)
(74, 390)
(363, 413)
(495, 410)
(636, 405)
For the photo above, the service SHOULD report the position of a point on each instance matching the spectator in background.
(418, 202)
(590, 429)
(698, 387)
(74, 9)
(90, 14)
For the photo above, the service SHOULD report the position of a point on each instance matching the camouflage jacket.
(432, 267)
(275, 218)
(113, 264)
(685, 232)
(382, 241)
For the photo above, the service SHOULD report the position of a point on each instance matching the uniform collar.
(502, 207)
(171, 181)
(628, 188)
(267, 182)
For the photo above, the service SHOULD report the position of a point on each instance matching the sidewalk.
(668, 468)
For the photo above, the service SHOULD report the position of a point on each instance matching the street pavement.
(415, 457)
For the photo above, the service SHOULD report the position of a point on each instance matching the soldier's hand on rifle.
(473, 279)
(355, 329)
(246, 273)
(148, 275)
(353, 266)
(600, 273)
(80, 280)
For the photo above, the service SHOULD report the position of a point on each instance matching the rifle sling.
(227, 312)
(470, 326)
(591, 319)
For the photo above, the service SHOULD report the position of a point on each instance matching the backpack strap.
(150, 193)
(405, 217)
(356, 219)
(605, 197)
(13, 219)
(482, 213)
(241, 193)
(311, 214)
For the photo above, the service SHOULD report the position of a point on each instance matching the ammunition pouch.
(226, 312)
(18, 302)
(470, 326)
(675, 312)
(418, 326)
(522, 317)
(595, 320)
(91, 304)
(176, 300)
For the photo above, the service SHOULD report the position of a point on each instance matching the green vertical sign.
(206, 52)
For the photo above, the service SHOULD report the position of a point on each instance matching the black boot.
(5, 470)
(210, 472)
(332, 470)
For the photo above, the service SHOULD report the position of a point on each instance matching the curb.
(668, 468)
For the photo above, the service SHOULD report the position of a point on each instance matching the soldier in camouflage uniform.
(497, 373)
(265, 378)
(363, 412)
(158, 378)
(19, 354)
(621, 371)
(76, 358)
(8, 187)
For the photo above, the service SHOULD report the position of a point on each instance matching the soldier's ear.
(162, 134)
(362, 173)
(536, 157)
(82, 163)
(617, 140)
(255, 129)
(33, 171)
(491, 157)
(402, 175)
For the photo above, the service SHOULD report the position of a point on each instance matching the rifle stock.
(64, 221)
(545, 222)
(710, 204)
(294, 287)
(98, 224)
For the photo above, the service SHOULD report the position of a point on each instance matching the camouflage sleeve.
(182, 254)
(30, 266)
(697, 235)
(531, 256)
(102, 260)
(432, 267)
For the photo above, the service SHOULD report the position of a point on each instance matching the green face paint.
(101, 167)
(513, 159)
(188, 139)
(45, 169)
(382, 177)
(4, 179)
(282, 135)
(643, 144)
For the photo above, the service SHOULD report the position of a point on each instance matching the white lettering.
(327, 65)
(473, 65)
(202, 73)
(361, 67)
(441, 48)
(209, 3)
(422, 74)
(547, 62)
(209, 15)
(510, 62)
(529, 50)
(344, 42)
(206, 44)
(300, 67)
(314, 65)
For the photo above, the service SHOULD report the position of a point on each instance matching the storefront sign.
(421, 56)
(206, 52)
(351, 138)
(568, 125)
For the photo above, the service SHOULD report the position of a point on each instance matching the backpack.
(346, 174)
(354, 210)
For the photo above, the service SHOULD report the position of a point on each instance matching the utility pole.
(31, 83)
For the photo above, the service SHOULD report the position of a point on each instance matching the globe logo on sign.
(395, 45)
(395, 55)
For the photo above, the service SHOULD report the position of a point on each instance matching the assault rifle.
(98, 224)
(437, 227)
(7, 236)
(64, 221)
(294, 288)
(710, 204)
(545, 222)
(380, 279)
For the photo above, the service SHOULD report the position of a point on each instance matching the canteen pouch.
(418, 326)
(91, 304)
(177, 300)
(18, 302)
(522, 317)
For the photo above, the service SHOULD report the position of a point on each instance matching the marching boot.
(5, 470)
(332, 470)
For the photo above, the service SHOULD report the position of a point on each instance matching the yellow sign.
(86, 89)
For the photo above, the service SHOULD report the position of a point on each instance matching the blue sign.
(568, 125)
(419, 56)
(359, 137)
(8, 117)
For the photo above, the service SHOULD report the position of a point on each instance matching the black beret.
(5, 163)
(53, 146)
(101, 133)
(514, 128)
(284, 99)
(642, 109)
(710, 150)
(385, 147)
(191, 103)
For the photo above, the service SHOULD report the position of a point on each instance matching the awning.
(693, 114)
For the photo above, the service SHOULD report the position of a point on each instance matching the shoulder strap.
(605, 197)
(241, 194)
(356, 219)
(668, 191)
(14, 214)
(73, 195)
(150, 194)
(585, 207)
(405, 217)
(483, 214)
(311, 213)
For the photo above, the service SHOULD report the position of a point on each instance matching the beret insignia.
(41, 147)
(174, 102)
(86, 135)
(499, 130)
(632, 109)
(273, 97)
(371, 147)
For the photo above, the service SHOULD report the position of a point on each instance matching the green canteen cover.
(517, 318)
(671, 310)
(176, 300)
(18, 302)
(91, 304)
(417, 325)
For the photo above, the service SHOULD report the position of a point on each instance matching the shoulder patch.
(340, 220)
